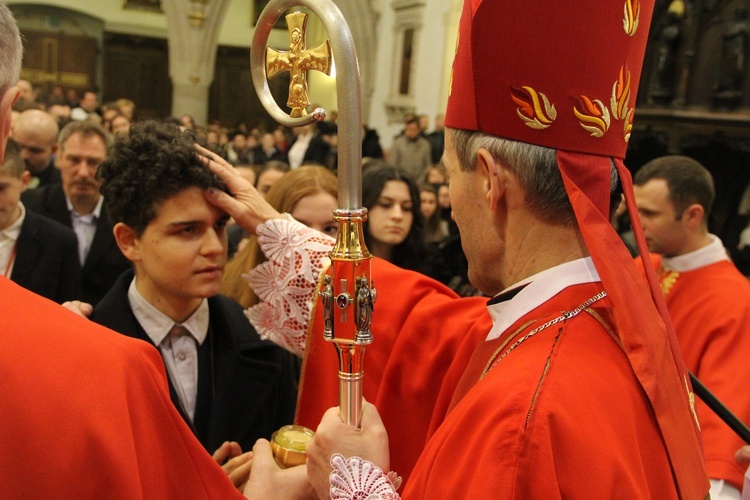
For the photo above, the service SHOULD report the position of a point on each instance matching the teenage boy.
(38, 253)
(226, 382)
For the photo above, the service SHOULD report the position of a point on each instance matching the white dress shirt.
(85, 227)
(539, 289)
(8, 239)
(180, 354)
(297, 152)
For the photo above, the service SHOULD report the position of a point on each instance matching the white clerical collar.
(158, 325)
(537, 290)
(93, 215)
(709, 254)
(13, 231)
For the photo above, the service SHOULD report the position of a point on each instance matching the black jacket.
(47, 259)
(104, 262)
(251, 389)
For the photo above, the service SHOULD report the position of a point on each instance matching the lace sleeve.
(287, 281)
(355, 478)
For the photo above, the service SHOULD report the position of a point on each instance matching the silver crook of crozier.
(348, 91)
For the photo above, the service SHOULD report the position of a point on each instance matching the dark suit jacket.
(318, 151)
(47, 259)
(259, 157)
(50, 175)
(254, 383)
(104, 262)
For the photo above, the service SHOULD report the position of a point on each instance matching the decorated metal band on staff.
(348, 293)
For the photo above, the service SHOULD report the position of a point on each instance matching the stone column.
(193, 32)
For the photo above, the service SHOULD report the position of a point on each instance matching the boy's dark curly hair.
(155, 162)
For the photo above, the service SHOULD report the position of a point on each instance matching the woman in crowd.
(435, 175)
(436, 229)
(394, 229)
(309, 194)
(268, 174)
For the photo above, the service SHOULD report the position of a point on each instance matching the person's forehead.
(187, 206)
(653, 194)
(654, 187)
(92, 141)
(27, 136)
(396, 188)
(317, 203)
(270, 176)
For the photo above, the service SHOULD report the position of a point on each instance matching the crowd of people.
(427, 241)
(188, 257)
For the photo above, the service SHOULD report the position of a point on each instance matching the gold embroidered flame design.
(628, 126)
(632, 16)
(594, 117)
(533, 107)
(621, 95)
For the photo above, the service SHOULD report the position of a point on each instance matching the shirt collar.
(709, 254)
(158, 325)
(94, 215)
(532, 292)
(13, 231)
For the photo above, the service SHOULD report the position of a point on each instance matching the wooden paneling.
(232, 97)
(137, 68)
(57, 59)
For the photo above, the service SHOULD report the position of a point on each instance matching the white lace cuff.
(355, 479)
(287, 281)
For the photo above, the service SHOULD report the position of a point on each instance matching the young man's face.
(180, 256)
(663, 227)
(10, 193)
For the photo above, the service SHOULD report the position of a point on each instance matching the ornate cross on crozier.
(298, 61)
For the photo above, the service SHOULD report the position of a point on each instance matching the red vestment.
(710, 311)
(562, 415)
(86, 412)
(423, 339)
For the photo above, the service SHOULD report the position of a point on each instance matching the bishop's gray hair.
(11, 49)
(536, 169)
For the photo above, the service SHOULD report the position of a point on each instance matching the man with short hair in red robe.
(707, 297)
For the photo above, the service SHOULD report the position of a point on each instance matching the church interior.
(173, 57)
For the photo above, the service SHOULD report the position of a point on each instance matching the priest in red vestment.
(578, 390)
(86, 412)
(707, 297)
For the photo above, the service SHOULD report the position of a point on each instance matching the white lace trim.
(287, 281)
(358, 479)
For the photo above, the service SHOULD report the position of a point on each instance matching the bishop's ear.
(127, 241)
(493, 176)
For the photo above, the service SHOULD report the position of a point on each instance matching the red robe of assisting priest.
(88, 413)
